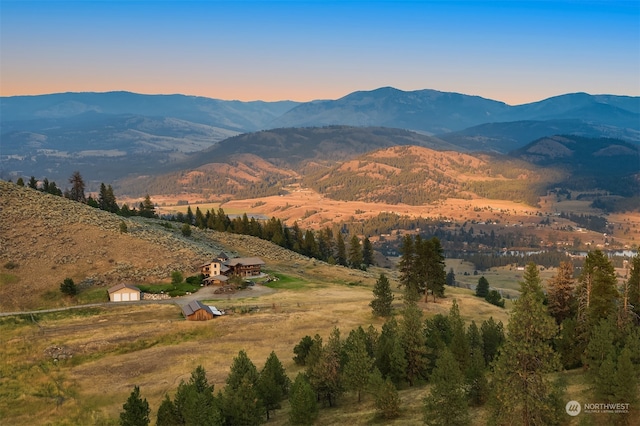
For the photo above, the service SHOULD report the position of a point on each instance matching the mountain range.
(115, 135)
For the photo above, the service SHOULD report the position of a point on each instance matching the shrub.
(68, 287)
(176, 277)
(10, 265)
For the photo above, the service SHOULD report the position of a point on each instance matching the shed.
(196, 311)
(124, 293)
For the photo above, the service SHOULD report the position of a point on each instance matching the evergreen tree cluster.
(47, 186)
(422, 268)
(404, 353)
(250, 397)
(492, 296)
(325, 244)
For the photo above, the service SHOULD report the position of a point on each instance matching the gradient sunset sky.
(513, 51)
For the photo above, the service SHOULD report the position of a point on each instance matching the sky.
(512, 51)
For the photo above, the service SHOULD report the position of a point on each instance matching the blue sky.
(511, 51)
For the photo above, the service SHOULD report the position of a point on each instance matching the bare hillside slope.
(45, 239)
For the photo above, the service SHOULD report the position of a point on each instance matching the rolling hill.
(111, 135)
(508, 136)
(258, 163)
(417, 176)
(592, 163)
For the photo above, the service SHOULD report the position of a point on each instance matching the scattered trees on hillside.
(466, 365)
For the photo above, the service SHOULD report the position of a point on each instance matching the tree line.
(106, 199)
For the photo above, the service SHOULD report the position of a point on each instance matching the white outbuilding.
(124, 293)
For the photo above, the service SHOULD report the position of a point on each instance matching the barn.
(124, 293)
(196, 311)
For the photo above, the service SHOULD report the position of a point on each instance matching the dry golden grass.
(151, 346)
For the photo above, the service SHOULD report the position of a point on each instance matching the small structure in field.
(124, 293)
(197, 311)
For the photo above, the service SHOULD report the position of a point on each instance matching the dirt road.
(205, 293)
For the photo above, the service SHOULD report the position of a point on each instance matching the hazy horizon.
(514, 52)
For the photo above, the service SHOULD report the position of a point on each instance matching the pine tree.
(492, 338)
(482, 289)
(106, 199)
(304, 408)
(459, 346)
(325, 375)
(76, 193)
(33, 183)
(633, 285)
(598, 293)
(242, 405)
(436, 276)
(167, 415)
(451, 278)
(201, 222)
(387, 400)
(68, 287)
(495, 298)
(560, 291)
(241, 367)
(521, 388)
(147, 209)
(367, 252)
(626, 383)
(358, 366)
(355, 253)
(406, 266)
(301, 350)
(189, 217)
(341, 250)
(476, 381)
(438, 334)
(273, 384)
(382, 297)
(194, 401)
(389, 355)
(413, 342)
(601, 344)
(446, 404)
(135, 410)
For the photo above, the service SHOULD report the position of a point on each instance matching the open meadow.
(111, 349)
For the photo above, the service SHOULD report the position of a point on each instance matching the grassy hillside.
(111, 348)
(416, 175)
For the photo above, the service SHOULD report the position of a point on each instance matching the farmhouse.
(124, 293)
(219, 269)
(196, 311)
